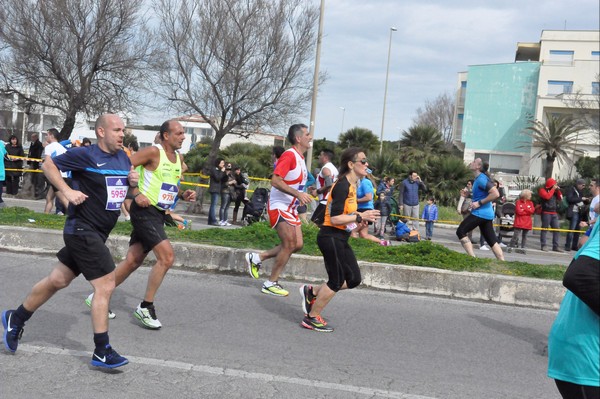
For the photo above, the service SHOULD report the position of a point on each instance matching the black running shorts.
(86, 254)
(340, 262)
(148, 226)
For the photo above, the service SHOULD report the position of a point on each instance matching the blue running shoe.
(12, 332)
(109, 358)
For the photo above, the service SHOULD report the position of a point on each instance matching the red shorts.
(276, 214)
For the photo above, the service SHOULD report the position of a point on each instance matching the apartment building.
(494, 103)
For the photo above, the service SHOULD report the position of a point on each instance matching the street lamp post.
(387, 73)
(343, 114)
(313, 107)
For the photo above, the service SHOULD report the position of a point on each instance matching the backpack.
(414, 236)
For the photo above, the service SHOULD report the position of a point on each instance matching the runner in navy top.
(102, 175)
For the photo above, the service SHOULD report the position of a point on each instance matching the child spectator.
(385, 208)
(430, 215)
(402, 230)
(524, 209)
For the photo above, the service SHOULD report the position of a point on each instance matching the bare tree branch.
(74, 56)
(438, 113)
(237, 63)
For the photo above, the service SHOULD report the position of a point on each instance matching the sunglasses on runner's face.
(363, 161)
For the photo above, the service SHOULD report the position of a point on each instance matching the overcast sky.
(435, 40)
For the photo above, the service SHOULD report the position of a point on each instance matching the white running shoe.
(147, 316)
(502, 245)
(484, 248)
(88, 301)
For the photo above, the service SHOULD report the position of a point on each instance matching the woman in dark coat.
(13, 148)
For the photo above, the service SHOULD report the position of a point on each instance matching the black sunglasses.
(363, 161)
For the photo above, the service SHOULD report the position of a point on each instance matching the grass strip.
(260, 236)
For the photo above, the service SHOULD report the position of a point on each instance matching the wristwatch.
(358, 218)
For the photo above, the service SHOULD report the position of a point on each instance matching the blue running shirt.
(103, 178)
(481, 188)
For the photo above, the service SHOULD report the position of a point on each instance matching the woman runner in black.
(341, 218)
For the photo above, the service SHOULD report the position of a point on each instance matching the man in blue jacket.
(409, 197)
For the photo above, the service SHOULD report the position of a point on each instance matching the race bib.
(301, 189)
(167, 195)
(116, 190)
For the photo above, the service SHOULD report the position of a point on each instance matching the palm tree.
(447, 176)
(359, 137)
(420, 142)
(555, 139)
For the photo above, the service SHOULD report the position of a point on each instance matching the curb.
(500, 289)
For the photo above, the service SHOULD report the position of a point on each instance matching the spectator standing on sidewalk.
(240, 187)
(551, 196)
(38, 181)
(409, 197)
(522, 225)
(217, 177)
(13, 148)
(430, 215)
(385, 209)
(575, 200)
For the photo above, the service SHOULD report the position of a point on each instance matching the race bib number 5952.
(116, 190)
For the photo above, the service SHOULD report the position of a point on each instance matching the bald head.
(104, 120)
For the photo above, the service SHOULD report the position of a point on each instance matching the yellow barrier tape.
(24, 158)
(25, 170)
(495, 224)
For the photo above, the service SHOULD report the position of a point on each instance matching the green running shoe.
(275, 290)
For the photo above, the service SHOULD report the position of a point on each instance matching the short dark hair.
(134, 146)
(295, 131)
(485, 166)
(218, 161)
(53, 132)
(328, 153)
(278, 150)
(410, 172)
(86, 141)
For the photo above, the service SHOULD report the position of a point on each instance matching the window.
(556, 87)
(206, 133)
(561, 57)
(596, 88)
(595, 55)
(501, 163)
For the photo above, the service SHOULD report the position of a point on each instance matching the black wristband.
(359, 218)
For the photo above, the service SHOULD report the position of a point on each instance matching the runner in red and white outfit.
(325, 179)
(286, 195)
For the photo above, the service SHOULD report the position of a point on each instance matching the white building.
(495, 102)
(196, 129)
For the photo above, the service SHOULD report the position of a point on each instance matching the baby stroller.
(506, 217)
(254, 210)
(393, 218)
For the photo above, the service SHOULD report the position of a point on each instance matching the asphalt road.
(222, 338)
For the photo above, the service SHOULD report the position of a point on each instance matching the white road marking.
(232, 373)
